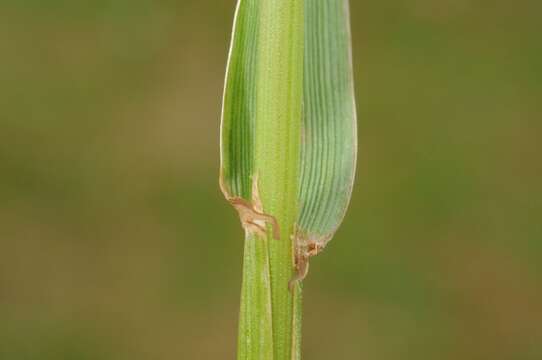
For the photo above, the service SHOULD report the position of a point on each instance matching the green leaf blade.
(239, 103)
(329, 140)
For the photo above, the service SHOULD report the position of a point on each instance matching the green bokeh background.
(115, 242)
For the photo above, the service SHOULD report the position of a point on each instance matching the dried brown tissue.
(254, 221)
(251, 214)
(306, 246)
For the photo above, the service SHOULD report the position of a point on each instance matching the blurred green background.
(115, 242)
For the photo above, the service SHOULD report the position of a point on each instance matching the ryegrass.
(288, 155)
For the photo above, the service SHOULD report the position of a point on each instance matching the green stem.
(271, 314)
(255, 321)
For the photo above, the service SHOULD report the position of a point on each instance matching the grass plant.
(288, 155)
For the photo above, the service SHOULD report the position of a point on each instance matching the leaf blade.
(237, 130)
(329, 146)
